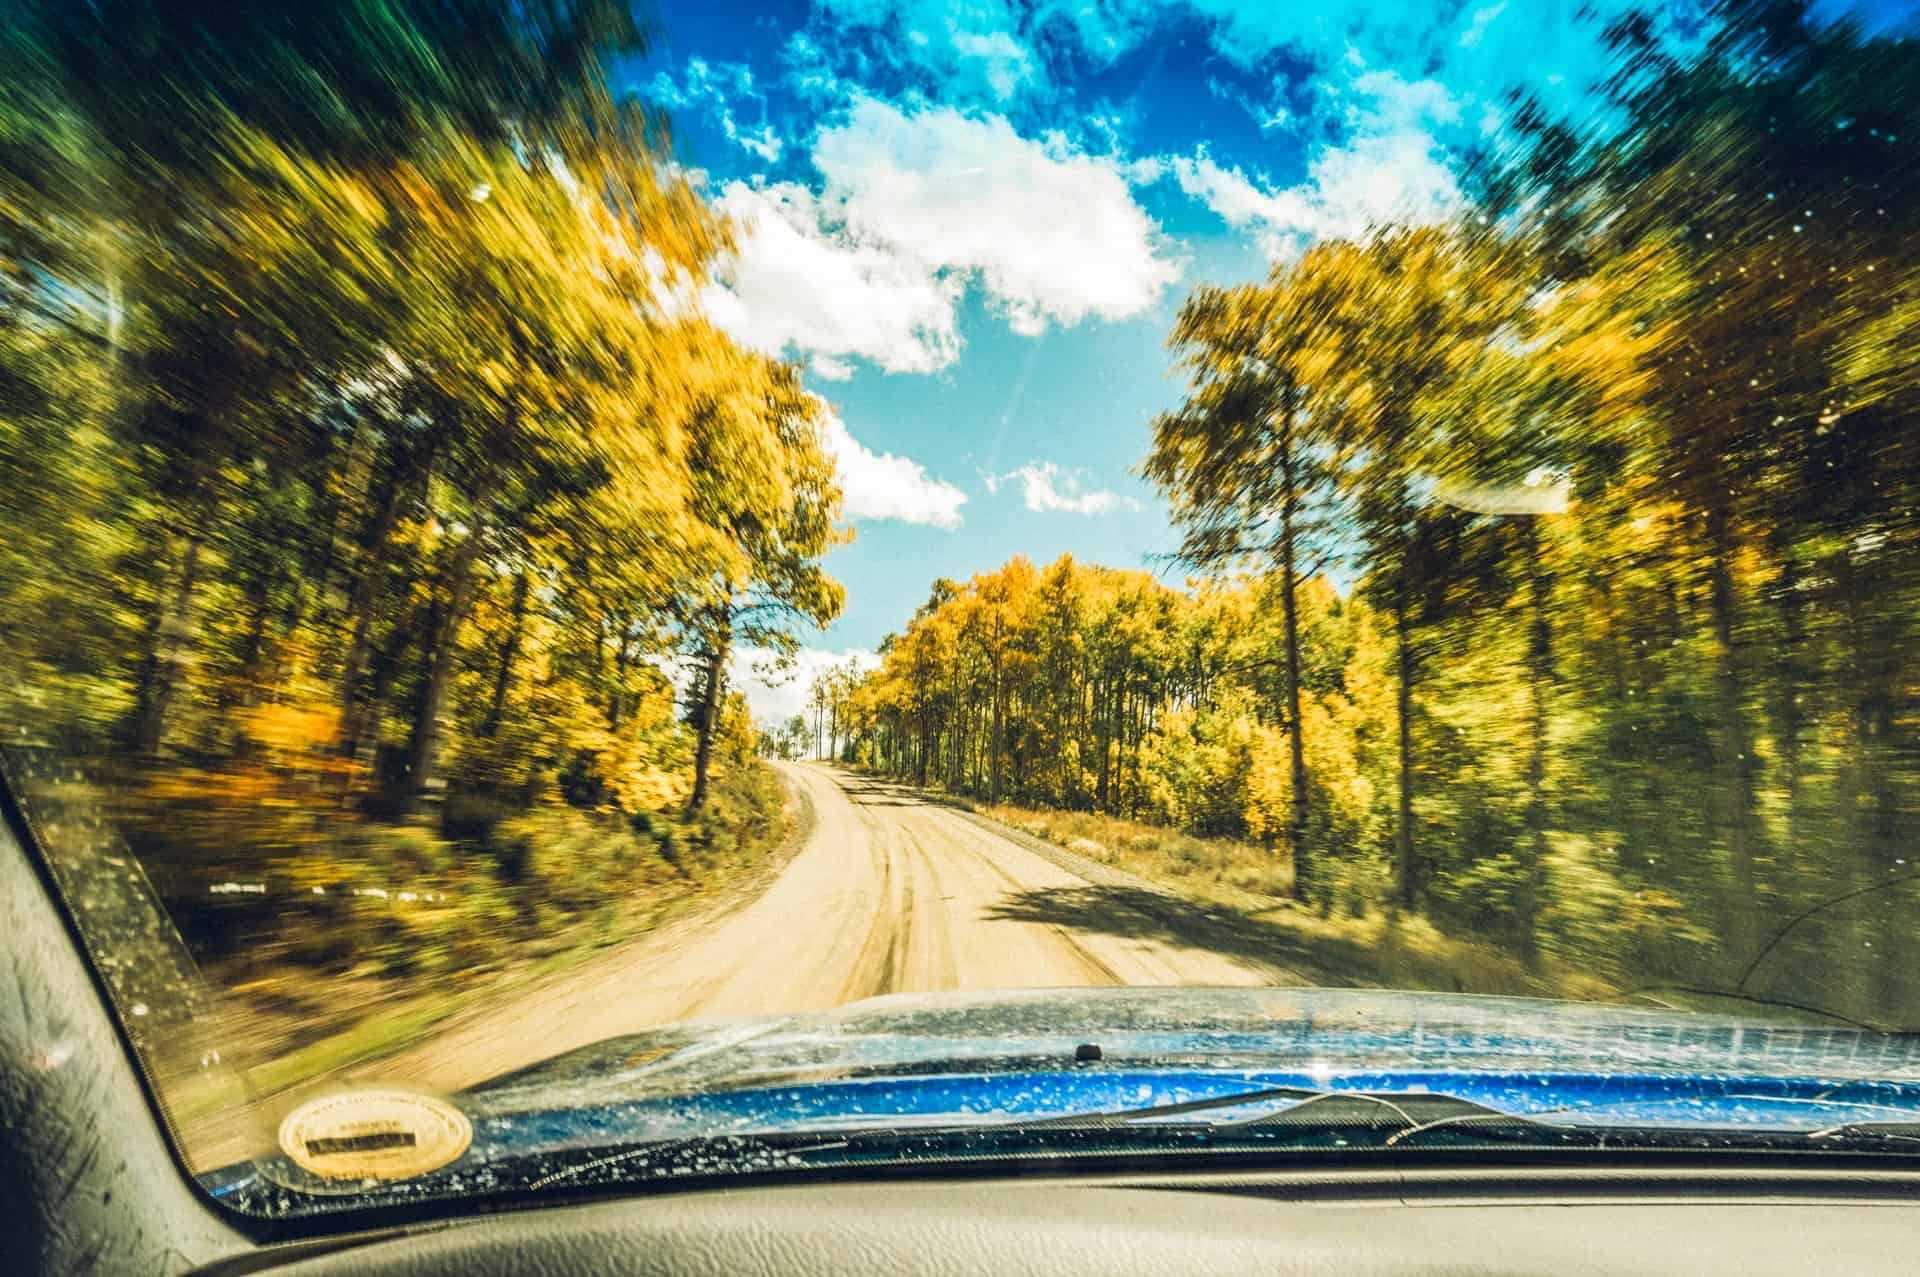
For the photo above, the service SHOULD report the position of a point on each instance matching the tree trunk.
(1406, 867)
(252, 663)
(1791, 679)
(425, 785)
(1539, 686)
(509, 653)
(171, 654)
(368, 590)
(1876, 820)
(710, 702)
(1734, 741)
(328, 549)
(622, 657)
(382, 666)
(1289, 605)
(994, 741)
(1103, 735)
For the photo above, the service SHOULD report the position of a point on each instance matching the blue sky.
(973, 220)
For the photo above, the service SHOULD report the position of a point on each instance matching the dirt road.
(890, 893)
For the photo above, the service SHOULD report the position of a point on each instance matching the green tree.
(1246, 461)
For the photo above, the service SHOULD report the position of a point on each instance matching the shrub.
(568, 860)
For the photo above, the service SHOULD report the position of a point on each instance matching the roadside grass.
(284, 1026)
(1377, 947)
(194, 1096)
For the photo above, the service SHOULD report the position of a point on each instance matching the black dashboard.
(1372, 1226)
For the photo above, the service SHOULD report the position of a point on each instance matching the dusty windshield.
(553, 551)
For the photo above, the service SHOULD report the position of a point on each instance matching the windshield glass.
(1341, 574)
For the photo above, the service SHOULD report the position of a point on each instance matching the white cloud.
(969, 51)
(800, 282)
(1385, 93)
(1046, 489)
(715, 87)
(1553, 48)
(763, 141)
(777, 690)
(915, 208)
(1385, 102)
(1053, 235)
(1482, 19)
(1389, 167)
(1001, 61)
(879, 485)
(993, 51)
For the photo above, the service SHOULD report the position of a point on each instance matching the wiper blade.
(1406, 1110)
(1414, 1113)
(1126, 1117)
(1902, 1132)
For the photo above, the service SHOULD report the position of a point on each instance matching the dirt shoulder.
(1194, 895)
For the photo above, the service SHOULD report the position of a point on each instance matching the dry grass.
(1379, 947)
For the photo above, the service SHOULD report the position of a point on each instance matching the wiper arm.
(1904, 1132)
(1124, 1117)
(1409, 1110)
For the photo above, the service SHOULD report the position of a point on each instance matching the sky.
(973, 221)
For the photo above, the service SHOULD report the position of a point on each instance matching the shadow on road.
(1137, 914)
(876, 793)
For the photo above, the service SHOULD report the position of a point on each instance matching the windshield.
(1215, 558)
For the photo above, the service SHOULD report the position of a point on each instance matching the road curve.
(894, 894)
(890, 893)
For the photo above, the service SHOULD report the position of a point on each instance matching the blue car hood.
(946, 1060)
(1319, 1031)
(938, 1057)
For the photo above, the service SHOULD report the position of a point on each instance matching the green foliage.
(568, 860)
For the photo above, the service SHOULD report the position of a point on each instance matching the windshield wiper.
(1412, 1113)
(1347, 1121)
(1292, 1117)
(1406, 1110)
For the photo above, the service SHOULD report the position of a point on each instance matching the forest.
(368, 479)
(1553, 573)
(381, 515)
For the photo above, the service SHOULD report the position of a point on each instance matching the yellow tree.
(1245, 461)
(765, 486)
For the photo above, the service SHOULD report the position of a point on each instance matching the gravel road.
(890, 893)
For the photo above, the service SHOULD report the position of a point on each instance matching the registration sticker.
(374, 1135)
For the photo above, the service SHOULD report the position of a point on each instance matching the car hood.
(1323, 1032)
(979, 1061)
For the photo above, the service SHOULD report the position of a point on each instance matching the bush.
(744, 814)
(569, 860)
(1482, 898)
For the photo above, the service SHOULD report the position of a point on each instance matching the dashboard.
(1180, 1226)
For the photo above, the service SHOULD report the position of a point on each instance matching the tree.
(762, 476)
(1246, 460)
